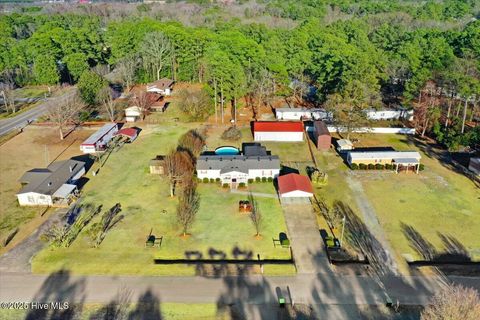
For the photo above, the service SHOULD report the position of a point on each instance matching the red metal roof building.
(277, 131)
(130, 133)
(293, 185)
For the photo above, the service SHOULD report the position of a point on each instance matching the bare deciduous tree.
(453, 302)
(106, 99)
(188, 205)
(195, 103)
(255, 215)
(7, 91)
(127, 66)
(144, 101)
(65, 110)
(178, 167)
(156, 51)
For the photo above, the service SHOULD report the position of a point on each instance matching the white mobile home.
(302, 114)
(99, 140)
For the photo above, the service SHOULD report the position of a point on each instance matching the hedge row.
(378, 166)
(257, 179)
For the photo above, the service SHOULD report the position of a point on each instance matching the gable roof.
(294, 182)
(99, 134)
(163, 83)
(43, 182)
(240, 162)
(128, 132)
(277, 126)
(355, 155)
(321, 128)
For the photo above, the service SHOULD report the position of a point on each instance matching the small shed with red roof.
(278, 131)
(294, 186)
(129, 133)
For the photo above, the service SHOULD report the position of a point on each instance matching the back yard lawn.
(146, 206)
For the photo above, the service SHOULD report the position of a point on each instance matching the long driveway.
(307, 245)
(21, 120)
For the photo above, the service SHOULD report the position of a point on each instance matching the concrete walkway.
(307, 245)
(255, 194)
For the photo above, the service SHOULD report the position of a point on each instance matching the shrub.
(354, 166)
(241, 185)
(371, 166)
(421, 167)
(269, 179)
(232, 134)
(217, 180)
(257, 179)
(225, 185)
(250, 180)
(199, 180)
(388, 166)
(212, 180)
(362, 166)
(379, 166)
(205, 180)
(264, 179)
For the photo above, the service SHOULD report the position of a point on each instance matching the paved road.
(19, 258)
(251, 293)
(20, 121)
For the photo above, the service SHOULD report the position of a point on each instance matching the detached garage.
(278, 131)
(294, 188)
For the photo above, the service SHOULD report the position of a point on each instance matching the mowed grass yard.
(146, 205)
(32, 148)
(436, 202)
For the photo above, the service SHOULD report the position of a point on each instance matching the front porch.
(405, 164)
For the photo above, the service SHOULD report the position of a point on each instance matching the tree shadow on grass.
(454, 259)
(362, 240)
(147, 307)
(115, 309)
(59, 288)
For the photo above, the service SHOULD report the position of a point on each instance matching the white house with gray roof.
(51, 186)
(254, 162)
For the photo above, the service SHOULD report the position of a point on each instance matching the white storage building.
(278, 131)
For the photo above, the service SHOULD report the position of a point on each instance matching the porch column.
(418, 167)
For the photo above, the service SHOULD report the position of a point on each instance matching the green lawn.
(146, 206)
(437, 201)
(168, 311)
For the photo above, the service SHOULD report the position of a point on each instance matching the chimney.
(71, 169)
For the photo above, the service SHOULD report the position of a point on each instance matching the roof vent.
(49, 183)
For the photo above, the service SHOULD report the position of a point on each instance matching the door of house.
(233, 184)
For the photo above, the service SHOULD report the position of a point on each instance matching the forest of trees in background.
(355, 53)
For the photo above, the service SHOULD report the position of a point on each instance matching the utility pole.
(343, 229)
